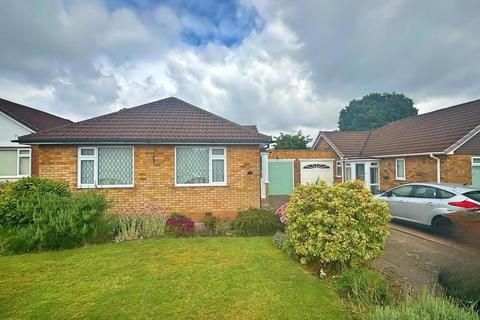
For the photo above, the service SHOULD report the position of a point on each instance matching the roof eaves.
(408, 154)
(142, 141)
(463, 140)
(19, 121)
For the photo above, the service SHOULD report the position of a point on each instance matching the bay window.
(200, 166)
(15, 163)
(105, 167)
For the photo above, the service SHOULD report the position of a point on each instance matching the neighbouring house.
(439, 146)
(18, 120)
(166, 153)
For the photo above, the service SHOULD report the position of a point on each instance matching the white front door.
(314, 171)
(365, 171)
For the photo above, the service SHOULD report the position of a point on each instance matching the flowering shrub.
(180, 226)
(281, 212)
(146, 221)
(341, 224)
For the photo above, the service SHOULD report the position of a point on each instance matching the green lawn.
(197, 278)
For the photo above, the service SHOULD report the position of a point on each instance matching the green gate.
(280, 175)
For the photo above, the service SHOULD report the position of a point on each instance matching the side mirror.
(387, 194)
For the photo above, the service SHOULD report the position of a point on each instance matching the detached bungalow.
(439, 146)
(166, 153)
(18, 120)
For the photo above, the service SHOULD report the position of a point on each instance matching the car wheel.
(442, 225)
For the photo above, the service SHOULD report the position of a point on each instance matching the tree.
(292, 141)
(375, 110)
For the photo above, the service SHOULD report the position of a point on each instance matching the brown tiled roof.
(471, 147)
(432, 132)
(349, 143)
(252, 127)
(170, 120)
(429, 132)
(32, 118)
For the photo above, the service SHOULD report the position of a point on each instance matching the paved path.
(413, 257)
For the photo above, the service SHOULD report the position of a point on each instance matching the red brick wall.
(454, 169)
(154, 181)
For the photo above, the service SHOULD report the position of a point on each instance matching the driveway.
(413, 257)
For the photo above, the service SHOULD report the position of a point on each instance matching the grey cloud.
(419, 47)
(309, 59)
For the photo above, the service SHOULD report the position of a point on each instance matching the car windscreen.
(474, 195)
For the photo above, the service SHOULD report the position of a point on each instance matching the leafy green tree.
(375, 110)
(292, 141)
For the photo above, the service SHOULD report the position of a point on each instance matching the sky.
(282, 65)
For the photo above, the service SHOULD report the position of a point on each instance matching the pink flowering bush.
(180, 226)
(281, 212)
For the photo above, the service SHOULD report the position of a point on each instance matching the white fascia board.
(18, 123)
(409, 154)
(463, 140)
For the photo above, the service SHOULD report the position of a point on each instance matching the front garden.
(316, 265)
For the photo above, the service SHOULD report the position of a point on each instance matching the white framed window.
(338, 169)
(476, 161)
(200, 166)
(348, 171)
(374, 178)
(15, 163)
(400, 169)
(105, 167)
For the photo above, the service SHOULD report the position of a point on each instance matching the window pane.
(115, 166)
(218, 152)
(442, 194)
(424, 192)
(87, 172)
(339, 169)
(192, 165)
(475, 195)
(360, 171)
(24, 152)
(348, 173)
(373, 175)
(87, 152)
(402, 191)
(24, 166)
(8, 162)
(400, 167)
(218, 173)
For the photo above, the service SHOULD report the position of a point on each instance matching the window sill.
(400, 179)
(107, 187)
(13, 177)
(200, 185)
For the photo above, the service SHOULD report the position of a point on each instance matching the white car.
(426, 203)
